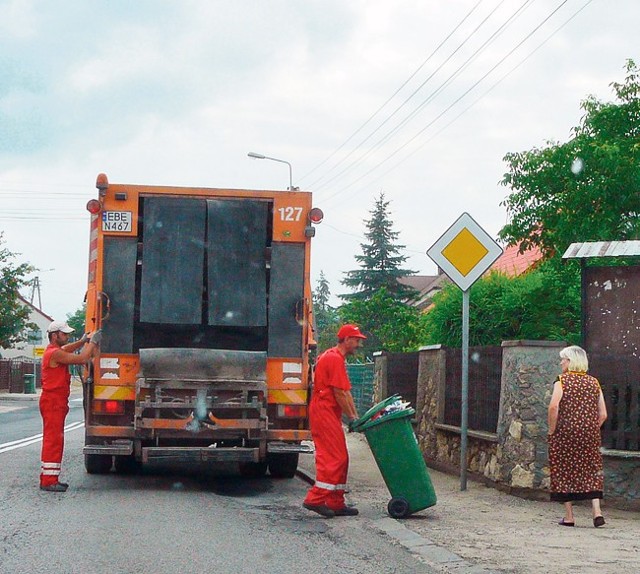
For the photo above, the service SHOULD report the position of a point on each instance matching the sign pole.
(464, 252)
(464, 412)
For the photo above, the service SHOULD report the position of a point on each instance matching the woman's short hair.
(577, 357)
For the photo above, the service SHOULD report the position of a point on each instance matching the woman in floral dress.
(576, 413)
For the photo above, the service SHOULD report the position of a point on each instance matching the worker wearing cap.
(54, 400)
(331, 399)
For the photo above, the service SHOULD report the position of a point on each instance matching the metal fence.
(12, 372)
(402, 375)
(620, 381)
(361, 377)
(485, 373)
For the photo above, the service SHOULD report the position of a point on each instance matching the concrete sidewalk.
(484, 530)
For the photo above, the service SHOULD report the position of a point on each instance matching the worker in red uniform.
(54, 400)
(331, 399)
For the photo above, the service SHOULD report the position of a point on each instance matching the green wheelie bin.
(397, 454)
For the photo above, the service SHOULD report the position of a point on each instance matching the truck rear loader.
(204, 300)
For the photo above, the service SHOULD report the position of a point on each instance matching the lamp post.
(260, 156)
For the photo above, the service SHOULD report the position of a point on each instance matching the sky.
(417, 99)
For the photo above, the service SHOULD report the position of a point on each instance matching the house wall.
(28, 349)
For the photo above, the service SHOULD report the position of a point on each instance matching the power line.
(390, 98)
(484, 94)
(456, 101)
(439, 89)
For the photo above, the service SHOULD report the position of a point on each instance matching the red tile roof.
(513, 263)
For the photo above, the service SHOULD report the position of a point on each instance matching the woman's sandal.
(598, 521)
(563, 523)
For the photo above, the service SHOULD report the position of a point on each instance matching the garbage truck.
(204, 301)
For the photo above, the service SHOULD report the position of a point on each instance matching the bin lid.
(375, 408)
(367, 424)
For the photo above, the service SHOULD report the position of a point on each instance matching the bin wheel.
(398, 508)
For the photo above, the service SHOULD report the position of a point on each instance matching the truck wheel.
(283, 465)
(97, 463)
(253, 469)
(127, 465)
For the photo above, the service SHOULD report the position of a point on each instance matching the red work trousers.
(332, 459)
(53, 408)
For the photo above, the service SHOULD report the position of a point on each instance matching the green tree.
(587, 189)
(543, 304)
(14, 315)
(380, 262)
(326, 317)
(322, 293)
(389, 324)
(76, 321)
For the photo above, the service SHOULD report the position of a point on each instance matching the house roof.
(513, 263)
(426, 286)
(418, 282)
(34, 308)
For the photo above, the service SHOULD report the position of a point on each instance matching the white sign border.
(493, 251)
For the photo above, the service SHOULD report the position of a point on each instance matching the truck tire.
(127, 464)
(283, 465)
(98, 463)
(253, 469)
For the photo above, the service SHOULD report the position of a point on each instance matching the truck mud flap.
(191, 454)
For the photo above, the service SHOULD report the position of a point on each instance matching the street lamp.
(260, 156)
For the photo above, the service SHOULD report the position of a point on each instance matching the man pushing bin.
(331, 399)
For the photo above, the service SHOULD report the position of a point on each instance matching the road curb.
(19, 397)
(437, 557)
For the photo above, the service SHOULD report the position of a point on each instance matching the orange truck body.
(203, 297)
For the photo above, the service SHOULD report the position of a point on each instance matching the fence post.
(430, 397)
(380, 377)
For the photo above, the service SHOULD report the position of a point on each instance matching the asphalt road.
(170, 519)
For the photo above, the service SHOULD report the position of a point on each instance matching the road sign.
(464, 252)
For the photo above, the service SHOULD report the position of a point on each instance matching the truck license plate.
(119, 221)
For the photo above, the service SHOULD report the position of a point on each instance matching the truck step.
(119, 447)
(280, 447)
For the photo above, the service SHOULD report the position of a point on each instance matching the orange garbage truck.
(204, 301)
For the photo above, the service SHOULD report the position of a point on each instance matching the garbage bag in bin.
(387, 427)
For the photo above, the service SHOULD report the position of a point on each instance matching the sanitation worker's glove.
(96, 337)
(350, 426)
(84, 338)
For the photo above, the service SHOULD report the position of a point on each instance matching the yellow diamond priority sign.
(464, 252)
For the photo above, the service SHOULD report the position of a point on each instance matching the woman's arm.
(554, 406)
(602, 410)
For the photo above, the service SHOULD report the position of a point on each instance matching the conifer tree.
(381, 260)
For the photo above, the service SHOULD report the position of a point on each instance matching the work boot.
(57, 487)
(320, 509)
(346, 511)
